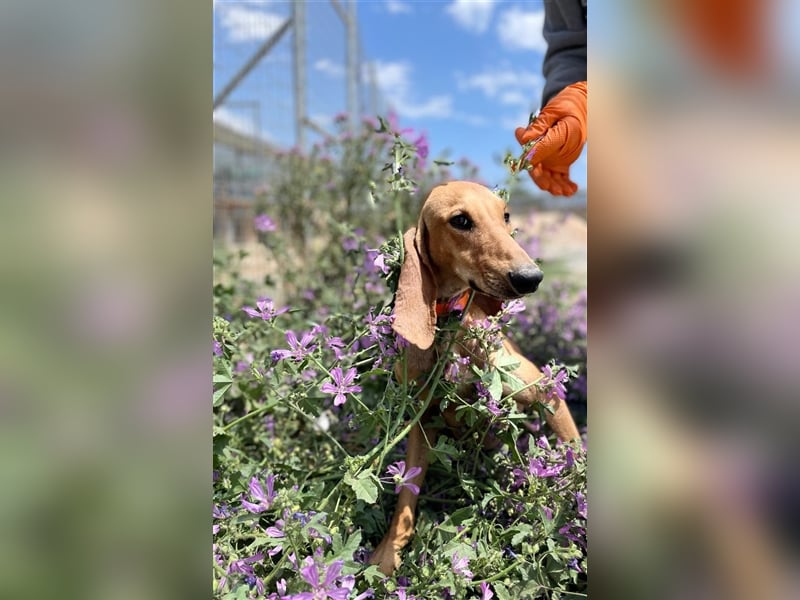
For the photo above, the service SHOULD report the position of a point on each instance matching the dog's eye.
(462, 222)
(507, 218)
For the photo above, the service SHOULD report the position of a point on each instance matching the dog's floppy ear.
(415, 301)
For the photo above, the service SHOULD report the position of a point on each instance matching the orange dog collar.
(456, 304)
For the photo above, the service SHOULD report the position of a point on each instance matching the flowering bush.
(310, 425)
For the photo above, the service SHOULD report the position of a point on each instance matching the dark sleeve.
(565, 33)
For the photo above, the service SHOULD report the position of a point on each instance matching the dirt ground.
(562, 240)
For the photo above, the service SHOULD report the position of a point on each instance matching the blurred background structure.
(284, 71)
(266, 99)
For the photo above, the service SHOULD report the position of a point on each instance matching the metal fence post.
(299, 56)
(352, 64)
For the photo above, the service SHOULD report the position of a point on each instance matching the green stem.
(249, 415)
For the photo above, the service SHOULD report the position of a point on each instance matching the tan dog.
(460, 254)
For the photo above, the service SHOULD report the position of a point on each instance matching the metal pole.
(254, 60)
(299, 17)
(352, 64)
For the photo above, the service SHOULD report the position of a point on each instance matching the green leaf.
(523, 531)
(220, 378)
(363, 485)
(501, 591)
(462, 515)
(444, 452)
(496, 386)
(220, 441)
(218, 394)
(346, 551)
(504, 360)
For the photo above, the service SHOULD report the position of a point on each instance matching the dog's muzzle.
(526, 279)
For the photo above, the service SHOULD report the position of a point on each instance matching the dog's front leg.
(560, 419)
(387, 554)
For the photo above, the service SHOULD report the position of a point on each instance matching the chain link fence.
(282, 72)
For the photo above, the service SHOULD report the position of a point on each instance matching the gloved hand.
(561, 125)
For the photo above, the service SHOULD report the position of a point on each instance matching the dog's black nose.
(526, 279)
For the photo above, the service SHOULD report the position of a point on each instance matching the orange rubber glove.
(561, 125)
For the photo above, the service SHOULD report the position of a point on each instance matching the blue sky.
(466, 72)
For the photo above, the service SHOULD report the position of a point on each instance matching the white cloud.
(472, 120)
(507, 85)
(393, 77)
(394, 80)
(246, 24)
(521, 30)
(510, 123)
(397, 7)
(238, 122)
(514, 97)
(438, 106)
(327, 66)
(472, 15)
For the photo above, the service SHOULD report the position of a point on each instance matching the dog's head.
(462, 241)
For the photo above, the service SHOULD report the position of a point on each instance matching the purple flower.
(493, 407)
(342, 384)
(322, 588)
(402, 478)
(380, 328)
(573, 564)
(567, 533)
(371, 260)
(217, 348)
(298, 349)
(548, 318)
(553, 384)
(537, 468)
(276, 532)
(482, 390)
(422, 146)
(221, 512)
(513, 307)
(581, 499)
(350, 244)
(486, 591)
(455, 368)
(263, 223)
(460, 566)
(264, 309)
(336, 344)
(380, 263)
(264, 499)
(394, 123)
(569, 457)
(244, 567)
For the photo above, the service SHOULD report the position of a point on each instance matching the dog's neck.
(453, 304)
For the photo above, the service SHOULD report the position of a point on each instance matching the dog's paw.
(386, 557)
